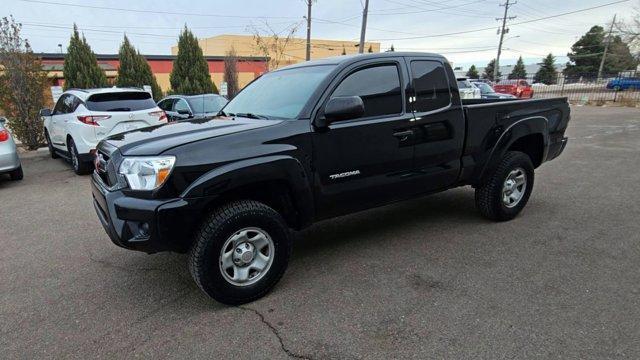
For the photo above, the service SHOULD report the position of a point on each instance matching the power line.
(156, 11)
(513, 24)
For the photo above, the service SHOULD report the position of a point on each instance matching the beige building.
(295, 50)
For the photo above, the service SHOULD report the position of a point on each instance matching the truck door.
(362, 162)
(439, 124)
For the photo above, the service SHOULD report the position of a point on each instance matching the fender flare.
(255, 170)
(527, 126)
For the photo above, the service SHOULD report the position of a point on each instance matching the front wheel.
(240, 252)
(507, 190)
(52, 150)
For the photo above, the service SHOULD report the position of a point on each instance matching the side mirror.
(3, 121)
(45, 112)
(342, 108)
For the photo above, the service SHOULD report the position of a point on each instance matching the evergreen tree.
(586, 53)
(370, 50)
(392, 49)
(81, 69)
(134, 70)
(489, 69)
(344, 51)
(519, 71)
(547, 73)
(190, 73)
(473, 72)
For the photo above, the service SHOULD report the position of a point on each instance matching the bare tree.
(630, 31)
(22, 84)
(231, 73)
(273, 44)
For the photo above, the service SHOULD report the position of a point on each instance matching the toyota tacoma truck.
(310, 142)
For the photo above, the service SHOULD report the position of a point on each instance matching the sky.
(410, 25)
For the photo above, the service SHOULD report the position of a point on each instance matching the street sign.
(224, 89)
(56, 92)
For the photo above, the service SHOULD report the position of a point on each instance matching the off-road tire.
(216, 228)
(489, 195)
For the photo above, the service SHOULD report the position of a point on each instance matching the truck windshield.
(278, 94)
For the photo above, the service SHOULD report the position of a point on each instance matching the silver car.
(9, 161)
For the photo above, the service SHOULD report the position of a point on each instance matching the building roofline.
(59, 56)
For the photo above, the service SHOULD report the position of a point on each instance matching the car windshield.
(464, 84)
(120, 101)
(279, 94)
(484, 88)
(207, 103)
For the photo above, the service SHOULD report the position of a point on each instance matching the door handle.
(403, 135)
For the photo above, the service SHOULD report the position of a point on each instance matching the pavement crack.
(275, 332)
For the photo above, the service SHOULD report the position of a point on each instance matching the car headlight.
(146, 173)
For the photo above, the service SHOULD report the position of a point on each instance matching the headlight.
(146, 173)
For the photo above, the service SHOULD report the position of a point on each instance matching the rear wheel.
(240, 252)
(79, 167)
(17, 174)
(507, 191)
(52, 150)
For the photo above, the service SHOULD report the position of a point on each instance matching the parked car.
(618, 84)
(81, 118)
(519, 88)
(467, 90)
(309, 142)
(487, 92)
(180, 107)
(9, 160)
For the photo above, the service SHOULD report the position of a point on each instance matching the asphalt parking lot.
(428, 278)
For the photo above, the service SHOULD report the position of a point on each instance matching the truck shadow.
(452, 207)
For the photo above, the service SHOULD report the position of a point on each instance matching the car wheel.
(507, 191)
(52, 150)
(79, 167)
(17, 174)
(240, 252)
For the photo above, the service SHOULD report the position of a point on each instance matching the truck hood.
(155, 140)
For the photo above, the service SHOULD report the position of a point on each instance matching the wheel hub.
(514, 187)
(246, 256)
(243, 254)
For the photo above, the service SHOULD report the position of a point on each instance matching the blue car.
(624, 84)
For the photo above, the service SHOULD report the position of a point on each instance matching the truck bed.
(488, 122)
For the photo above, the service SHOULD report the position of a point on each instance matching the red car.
(517, 87)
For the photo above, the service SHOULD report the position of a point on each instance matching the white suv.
(81, 118)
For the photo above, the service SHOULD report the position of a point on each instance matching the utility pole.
(502, 31)
(606, 48)
(364, 26)
(309, 2)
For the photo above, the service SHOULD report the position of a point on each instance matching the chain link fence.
(621, 88)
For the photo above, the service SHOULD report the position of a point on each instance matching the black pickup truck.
(310, 142)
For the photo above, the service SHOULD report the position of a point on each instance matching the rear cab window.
(120, 101)
(378, 86)
(431, 85)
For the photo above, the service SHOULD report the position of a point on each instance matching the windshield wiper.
(251, 116)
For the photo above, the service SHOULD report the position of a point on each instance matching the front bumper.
(145, 224)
